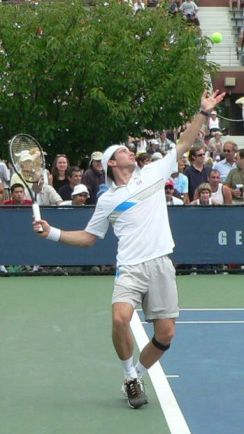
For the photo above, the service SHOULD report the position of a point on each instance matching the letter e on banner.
(239, 238)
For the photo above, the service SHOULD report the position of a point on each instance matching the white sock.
(140, 369)
(3, 269)
(129, 368)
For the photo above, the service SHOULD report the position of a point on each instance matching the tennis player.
(135, 205)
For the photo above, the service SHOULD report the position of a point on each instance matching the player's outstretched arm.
(74, 238)
(208, 102)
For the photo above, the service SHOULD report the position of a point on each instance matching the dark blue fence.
(203, 235)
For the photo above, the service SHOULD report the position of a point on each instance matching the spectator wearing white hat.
(79, 196)
(154, 145)
(213, 123)
(157, 156)
(25, 162)
(46, 195)
(94, 176)
(138, 6)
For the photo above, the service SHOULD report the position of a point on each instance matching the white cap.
(157, 156)
(80, 188)
(154, 142)
(106, 157)
(25, 156)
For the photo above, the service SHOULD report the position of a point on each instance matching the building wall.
(214, 3)
(219, 81)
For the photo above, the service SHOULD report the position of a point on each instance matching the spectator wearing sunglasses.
(229, 162)
(198, 171)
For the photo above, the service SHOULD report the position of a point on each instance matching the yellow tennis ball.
(216, 37)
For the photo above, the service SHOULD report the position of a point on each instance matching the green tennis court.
(59, 372)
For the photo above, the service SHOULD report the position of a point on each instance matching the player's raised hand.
(208, 102)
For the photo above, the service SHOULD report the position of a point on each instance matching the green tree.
(80, 78)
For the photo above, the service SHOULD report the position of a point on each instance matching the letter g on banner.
(222, 238)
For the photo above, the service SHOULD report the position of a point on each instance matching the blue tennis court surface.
(205, 369)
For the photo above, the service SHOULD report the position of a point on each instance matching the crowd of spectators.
(212, 173)
(188, 9)
(213, 158)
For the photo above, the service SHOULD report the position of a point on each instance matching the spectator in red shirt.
(18, 196)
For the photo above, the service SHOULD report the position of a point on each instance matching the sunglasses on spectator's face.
(227, 150)
(169, 188)
(200, 155)
(82, 194)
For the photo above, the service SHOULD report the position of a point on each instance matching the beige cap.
(97, 156)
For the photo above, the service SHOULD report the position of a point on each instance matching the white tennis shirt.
(138, 213)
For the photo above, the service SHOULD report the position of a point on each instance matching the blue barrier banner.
(203, 235)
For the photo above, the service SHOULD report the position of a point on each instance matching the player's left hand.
(208, 102)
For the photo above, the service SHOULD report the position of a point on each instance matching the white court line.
(209, 322)
(192, 309)
(173, 415)
(214, 309)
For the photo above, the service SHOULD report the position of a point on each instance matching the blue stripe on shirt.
(124, 206)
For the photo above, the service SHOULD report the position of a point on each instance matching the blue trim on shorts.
(117, 273)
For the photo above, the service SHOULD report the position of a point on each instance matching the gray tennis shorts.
(151, 284)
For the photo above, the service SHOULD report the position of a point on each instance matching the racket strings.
(27, 158)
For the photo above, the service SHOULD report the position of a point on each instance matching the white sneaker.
(135, 392)
(3, 269)
(123, 386)
(35, 268)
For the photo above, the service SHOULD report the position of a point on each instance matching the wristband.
(202, 112)
(54, 234)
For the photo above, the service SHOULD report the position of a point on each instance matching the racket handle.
(37, 215)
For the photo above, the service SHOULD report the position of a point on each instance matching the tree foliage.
(80, 78)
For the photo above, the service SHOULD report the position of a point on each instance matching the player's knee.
(166, 334)
(120, 320)
(165, 337)
(122, 314)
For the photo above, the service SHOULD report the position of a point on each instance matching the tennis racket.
(29, 163)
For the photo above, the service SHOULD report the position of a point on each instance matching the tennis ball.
(216, 37)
